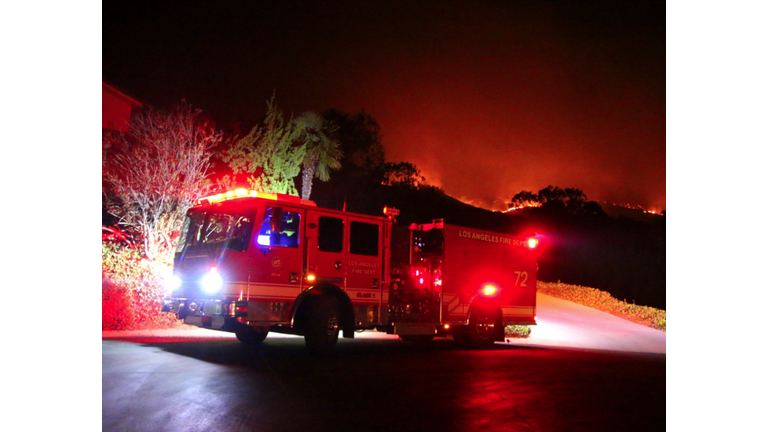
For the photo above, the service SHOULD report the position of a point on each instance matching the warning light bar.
(248, 193)
(237, 193)
(532, 243)
(391, 211)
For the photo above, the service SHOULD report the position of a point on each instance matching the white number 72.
(521, 274)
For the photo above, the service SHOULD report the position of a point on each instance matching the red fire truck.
(251, 263)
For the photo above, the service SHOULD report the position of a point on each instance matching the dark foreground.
(375, 385)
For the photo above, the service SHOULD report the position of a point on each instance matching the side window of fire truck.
(363, 238)
(288, 224)
(330, 234)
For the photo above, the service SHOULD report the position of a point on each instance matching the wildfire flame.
(526, 205)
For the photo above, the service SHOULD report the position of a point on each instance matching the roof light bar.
(248, 193)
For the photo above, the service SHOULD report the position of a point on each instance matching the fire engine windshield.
(216, 229)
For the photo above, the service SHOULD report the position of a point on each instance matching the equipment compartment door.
(364, 260)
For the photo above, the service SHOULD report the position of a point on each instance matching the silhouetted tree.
(552, 193)
(593, 208)
(323, 151)
(360, 138)
(553, 199)
(362, 164)
(402, 173)
(524, 199)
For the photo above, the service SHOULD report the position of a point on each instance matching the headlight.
(212, 281)
(172, 283)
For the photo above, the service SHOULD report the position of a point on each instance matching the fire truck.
(251, 263)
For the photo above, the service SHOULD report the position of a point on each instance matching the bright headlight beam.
(172, 283)
(212, 282)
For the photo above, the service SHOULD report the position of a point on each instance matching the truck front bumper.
(222, 315)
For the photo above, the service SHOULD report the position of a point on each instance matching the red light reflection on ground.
(492, 399)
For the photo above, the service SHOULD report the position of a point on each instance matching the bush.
(517, 331)
(116, 307)
(601, 300)
(131, 288)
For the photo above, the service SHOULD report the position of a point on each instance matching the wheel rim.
(485, 325)
(333, 326)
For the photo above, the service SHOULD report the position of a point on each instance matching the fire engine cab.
(251, 263)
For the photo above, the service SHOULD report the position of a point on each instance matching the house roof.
(117, 93)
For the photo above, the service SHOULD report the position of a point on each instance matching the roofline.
(118, 93)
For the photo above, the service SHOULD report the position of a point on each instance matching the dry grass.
(601, 300)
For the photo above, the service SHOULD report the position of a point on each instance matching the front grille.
(191, 266)
(192, 270)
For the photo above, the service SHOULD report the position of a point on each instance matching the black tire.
(322, 329)
(251, 337)
(484, 328)
(417, 338)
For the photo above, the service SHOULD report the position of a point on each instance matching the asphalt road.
(581, 370)
(375, 384)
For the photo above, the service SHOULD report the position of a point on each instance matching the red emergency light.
(237, 193)
(247, 193)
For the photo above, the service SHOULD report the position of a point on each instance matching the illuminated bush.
(131, 288)
(116, 307)
(517, 331)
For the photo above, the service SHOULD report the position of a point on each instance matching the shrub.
(131, 288)
(517, 331)
(116, 307)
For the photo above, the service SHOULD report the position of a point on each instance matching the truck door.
(325, 246)
(277, 254)
(364, 260)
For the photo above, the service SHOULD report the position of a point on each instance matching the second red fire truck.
(251, 263)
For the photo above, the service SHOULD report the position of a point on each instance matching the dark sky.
(486, 98)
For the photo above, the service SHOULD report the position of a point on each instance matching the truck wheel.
(322, 326)
(251, 337)
(417, 338)
(484, 327)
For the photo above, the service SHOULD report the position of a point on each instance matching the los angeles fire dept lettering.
(490, 238)
(369, 270)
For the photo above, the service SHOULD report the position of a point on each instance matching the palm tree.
(323, 151)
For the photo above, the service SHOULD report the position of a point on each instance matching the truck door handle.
(337, 264)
